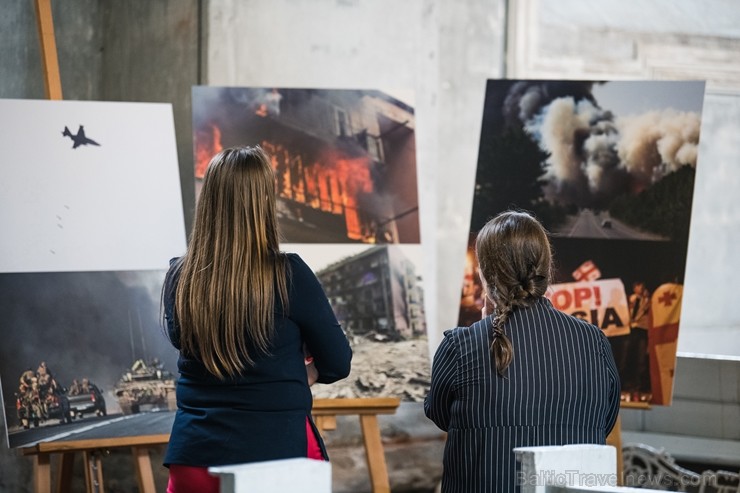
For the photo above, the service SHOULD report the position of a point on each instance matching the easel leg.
(144, 473)
(375, 454)
(325, 423)
(615, 440)
(66, 468)
(93, 471)
(42, 473)
(45, 23)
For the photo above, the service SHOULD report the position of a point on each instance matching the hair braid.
(514, 258)
(501, 346)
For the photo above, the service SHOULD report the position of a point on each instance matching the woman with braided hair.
(525, 375)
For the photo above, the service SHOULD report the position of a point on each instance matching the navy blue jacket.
(562, 387)
(261, 414)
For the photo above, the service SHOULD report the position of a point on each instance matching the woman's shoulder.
(296, 262)
(299, 272)
(475, 330)
(173, 272)
(293, 258)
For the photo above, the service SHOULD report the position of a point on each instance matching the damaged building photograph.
(377, 295)
(344, 160)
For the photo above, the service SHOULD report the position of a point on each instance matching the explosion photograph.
(609, 169)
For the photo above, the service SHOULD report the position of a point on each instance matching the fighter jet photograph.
(79, 139)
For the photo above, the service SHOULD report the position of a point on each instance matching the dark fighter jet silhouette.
(79, 139)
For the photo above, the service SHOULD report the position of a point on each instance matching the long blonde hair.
(515, 261)
(225, 295)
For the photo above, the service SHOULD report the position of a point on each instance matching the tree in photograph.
(664, 208)
(509, 175)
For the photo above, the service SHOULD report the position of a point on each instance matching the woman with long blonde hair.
(242, 313)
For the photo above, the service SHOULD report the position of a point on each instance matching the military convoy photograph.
(84, 356)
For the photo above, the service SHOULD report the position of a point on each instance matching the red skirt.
(193, 479)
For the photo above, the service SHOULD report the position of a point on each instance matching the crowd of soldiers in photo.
(38, 389)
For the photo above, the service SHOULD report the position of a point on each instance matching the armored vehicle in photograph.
(146, 385)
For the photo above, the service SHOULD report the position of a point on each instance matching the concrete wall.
(152, 54)
(79, 37)
(702, 425)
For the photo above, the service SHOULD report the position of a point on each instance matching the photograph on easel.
(91, 218)
(377, 295)
(347, 203)
(84, 355)
(345, 160)
(609, 169)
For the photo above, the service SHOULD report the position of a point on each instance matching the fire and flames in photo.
(344, 159)
(609, 169)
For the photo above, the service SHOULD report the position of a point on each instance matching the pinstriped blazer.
(562, 387)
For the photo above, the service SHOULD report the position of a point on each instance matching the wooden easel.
(45, 23)
(325, 412)
(92, 450)
(615, 437)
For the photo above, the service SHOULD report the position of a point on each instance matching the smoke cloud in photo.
(344, 159)
(594, 155)
(609, 169)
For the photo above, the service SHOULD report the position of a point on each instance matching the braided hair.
(515, 259)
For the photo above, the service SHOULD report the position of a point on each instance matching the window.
(375, 148)
(341, 120)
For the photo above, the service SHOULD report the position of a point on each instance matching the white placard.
(113, 204)
(602, 303)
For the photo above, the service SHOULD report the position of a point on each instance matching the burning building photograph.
(84, 350)
(376, 292)
(344, 159)
(609, 169)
